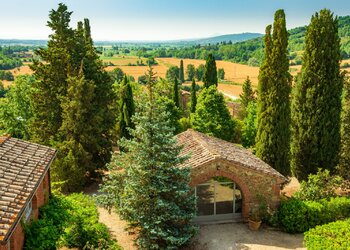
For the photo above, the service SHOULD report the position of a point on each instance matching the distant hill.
(234, 38)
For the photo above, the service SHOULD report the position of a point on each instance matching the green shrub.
(334, 235)
(297, 216)
(68, 221)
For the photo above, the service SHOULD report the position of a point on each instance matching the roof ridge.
(204, 144)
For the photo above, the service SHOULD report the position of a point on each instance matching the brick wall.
(4, 247)
(17, 238)
(251, 182)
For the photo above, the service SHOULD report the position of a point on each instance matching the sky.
(155, 20)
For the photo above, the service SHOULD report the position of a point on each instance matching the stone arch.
(206, 175)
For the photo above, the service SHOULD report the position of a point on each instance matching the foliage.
(221, 74)
(199, 73)
(117, 74)
(146, 185)
(6, 75)
(210, 72)
(173, 112)
(193, 96)
(344, 156)
(247, 96)
(172, 73)
(212, 116)
(176, 93)
(16, 111)
(317, 99)
(68, 221)
(185, 123)
(319, 186)
(297, 216)
(273, 131)
(249, 126)
(332, 236)
(181, 72)
(190, 72)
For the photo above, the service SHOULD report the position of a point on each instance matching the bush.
(68, 221)
(334, 235)
(297, 216)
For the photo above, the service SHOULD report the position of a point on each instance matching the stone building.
(229, 181)
(24, 187)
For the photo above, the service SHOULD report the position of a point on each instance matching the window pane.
(238, 203)
(205, 200)
(224, 198)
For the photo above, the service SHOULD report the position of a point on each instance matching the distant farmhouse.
(24, 187)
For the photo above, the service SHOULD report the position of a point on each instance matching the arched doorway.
(218, 199)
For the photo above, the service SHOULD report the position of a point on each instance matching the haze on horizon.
(158, 20)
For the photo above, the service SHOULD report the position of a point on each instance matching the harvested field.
(137, 71)
(123, 60)
(21, 70)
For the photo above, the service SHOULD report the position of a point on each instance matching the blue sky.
(160, 19)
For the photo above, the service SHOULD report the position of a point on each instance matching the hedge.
(297, 216)
(68, 221)
(335, 235)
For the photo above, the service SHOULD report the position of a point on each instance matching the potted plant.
(254, 220)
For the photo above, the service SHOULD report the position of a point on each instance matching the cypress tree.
(152, 192)
(176, 97)
(273, 135)
(181, 72)
(193, 96)
(210, 76)
(344, 160)
(317, 99)
(247, 96)
(126, 109)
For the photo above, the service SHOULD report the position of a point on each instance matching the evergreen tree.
(74, 161)
(344, 160)
(212, 116)
(152, 192)
(249, 126)
(173, 112)
(190, 71)
(210, 73)
(273, 135)
(126, 109)
(247, 96)
(317, 99)
(181, 72)
(176, 97)
(193, 96)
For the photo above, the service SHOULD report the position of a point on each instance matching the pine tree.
(181, 72)
(152, 192)
(126, 109)
(212, 116)
(247, 96)
(273, 136)
(343, 168)
(193, 96)
(317, 99)
(176, 97)
(210, 72)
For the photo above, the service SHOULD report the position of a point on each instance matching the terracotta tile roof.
(22, 167)
(203, 149)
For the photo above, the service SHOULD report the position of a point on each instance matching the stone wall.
(254, 184)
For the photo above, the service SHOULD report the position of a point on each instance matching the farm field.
(123, 60)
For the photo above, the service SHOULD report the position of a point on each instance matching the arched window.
(218, 199)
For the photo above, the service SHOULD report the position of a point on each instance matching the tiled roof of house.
(203, 149)
(22, 167)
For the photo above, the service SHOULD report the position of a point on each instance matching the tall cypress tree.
(317, 99)
(181, 72)
(126, 109)
(247, 96)
(210, 72)
(193, 96)
(273, 136)
(176, 97)
(343, 168)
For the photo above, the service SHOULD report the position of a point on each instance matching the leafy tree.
(172, 73)
(210, 72)
(152, 193)
(126, 109)
(212, 116)
(190, 72)
(344, 156)
(200, 72)
(317, 99)
(117, 75)
(3, 91)
(176, 97)
(16, 111)
(247, 96)
(273, 135)
(193, 96)
(181, 72)
(221, 74)
(173, 111)
(249, 128)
